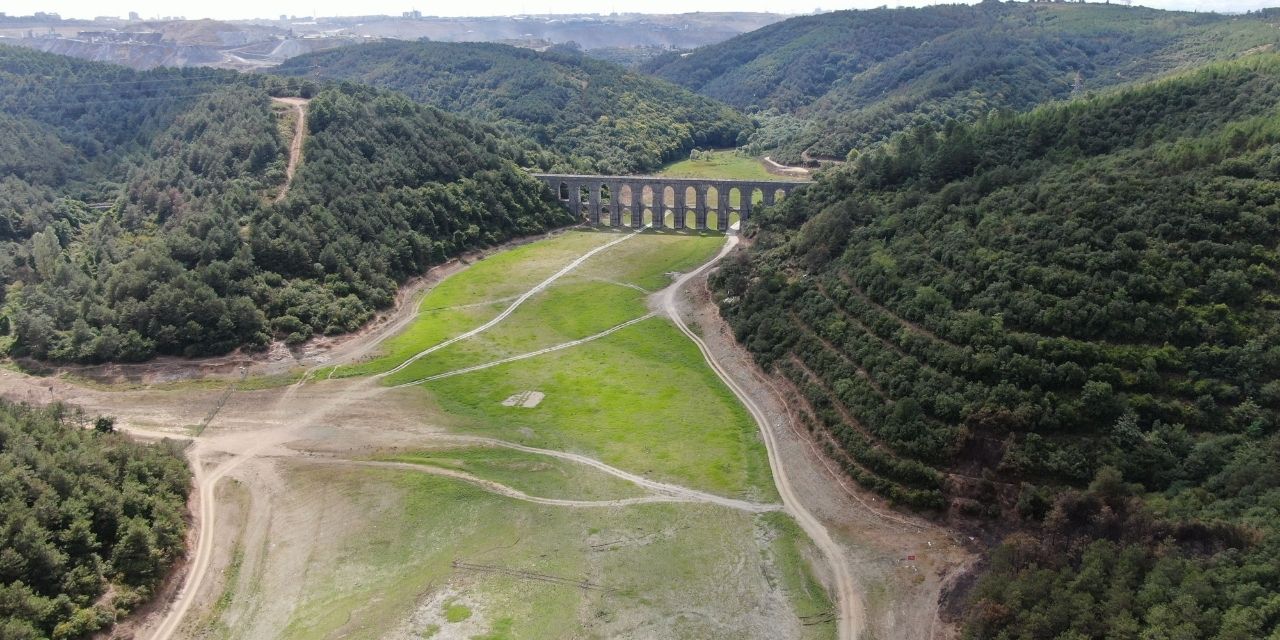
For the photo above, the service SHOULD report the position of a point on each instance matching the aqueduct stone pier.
(639, 200)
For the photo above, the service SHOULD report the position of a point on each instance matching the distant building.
(415, 14)
(134, 17)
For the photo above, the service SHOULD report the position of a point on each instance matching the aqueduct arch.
(600, 197)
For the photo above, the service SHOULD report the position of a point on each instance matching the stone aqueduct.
(640, 200)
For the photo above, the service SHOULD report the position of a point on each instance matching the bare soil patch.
(524, 399)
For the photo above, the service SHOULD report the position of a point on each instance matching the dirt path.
(662, 488)
(777, 168)
(850, 617)
(514, 305)
(515, 494)
(525, 356)
(295, 146)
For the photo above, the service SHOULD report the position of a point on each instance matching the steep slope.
(183, 250)
(984, 321)
(829, 84)
(596, 116)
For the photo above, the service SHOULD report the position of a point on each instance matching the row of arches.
(710, 205)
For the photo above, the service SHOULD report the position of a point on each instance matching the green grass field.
(477, 294)
(721, 165)
(603, 292)
(641, 399)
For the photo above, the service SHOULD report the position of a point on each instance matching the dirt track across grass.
(338, 424)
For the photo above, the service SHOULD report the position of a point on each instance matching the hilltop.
(846, 81)
(595, 116)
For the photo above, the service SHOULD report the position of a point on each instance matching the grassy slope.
(594, 390)
(640, 399)
(599, 294)
(446, 310)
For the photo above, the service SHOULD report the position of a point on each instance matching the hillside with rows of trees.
(597, 117)
(1065, 323)
(139, 214)
(827, 85)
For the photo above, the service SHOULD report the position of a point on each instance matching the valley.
(636, 466)
(953, 322)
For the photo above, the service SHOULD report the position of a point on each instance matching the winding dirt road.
(851, 617)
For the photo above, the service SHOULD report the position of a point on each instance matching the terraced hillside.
(596, 117)
(828, 84)
(1065, 322)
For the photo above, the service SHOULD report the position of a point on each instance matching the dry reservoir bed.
(537, 455)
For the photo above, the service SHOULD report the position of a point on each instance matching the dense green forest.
(594, 115)
(825, 85)
(1067, 323)
(84, 512)
(139, 217)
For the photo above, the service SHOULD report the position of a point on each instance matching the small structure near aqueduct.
(640, 200)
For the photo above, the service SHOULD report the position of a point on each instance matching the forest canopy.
(151, 225)
(825, 85)
(593, 116)
(84, 512)
(1064, 321)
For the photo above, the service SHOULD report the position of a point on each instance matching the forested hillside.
(1066, 322)
(828, 84)
(138, 217)
(596, 116)
(89, 521)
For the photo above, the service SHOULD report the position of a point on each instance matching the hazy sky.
(226, 9)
